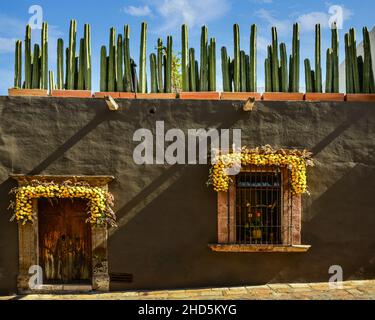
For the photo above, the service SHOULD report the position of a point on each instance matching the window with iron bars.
(260, 209)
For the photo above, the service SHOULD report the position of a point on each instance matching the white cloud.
(283, 25)
(309, 20)
(138, 11)
(192, 13)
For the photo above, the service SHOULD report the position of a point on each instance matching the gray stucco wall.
(167, 215)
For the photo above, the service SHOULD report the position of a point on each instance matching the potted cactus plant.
(278, 84)
(36, 66)
(360, 84)
(239, 74)
(313, 79)
(78, 69)
(117, 70)
(199, 84)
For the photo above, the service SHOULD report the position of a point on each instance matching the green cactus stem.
(247, 70)
(236, 59)
(348, 65)
(103, 69)
(44, 57)
(242, 71)
(329, 71)
(160, 65)
(36, 68)
(203, 83)
(225, 69)
(192, 70)
(87, 57)
(120, 71)
(112, 61)
(128, 86)
(268, 77)
(308, 81)
(18, 65)
(212, 65)
(153, 72)
(296, 57)
(352, 41)
(71, 55)
(335, 59)
(142, 59)
(283, 68)
(168, 66)
(185, 58)
(28, 70)
(60, 64)
(318, 65)
(368, 74)
(51, 81)
(253, 59)
(81, 65)
(275, 61)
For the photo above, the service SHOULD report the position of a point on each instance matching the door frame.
(28, 242)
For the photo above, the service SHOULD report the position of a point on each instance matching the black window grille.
(258, 206)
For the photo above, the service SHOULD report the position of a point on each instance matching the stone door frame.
(28, 242)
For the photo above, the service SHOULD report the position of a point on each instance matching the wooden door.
(64, 241)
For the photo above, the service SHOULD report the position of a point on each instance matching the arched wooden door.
(64, 241)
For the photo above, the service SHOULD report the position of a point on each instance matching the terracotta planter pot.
(282, 96)
(362, 97)
(71, 94)
(155, 96)
(207, 95)
(114, 95)
(27, 92)
(240, 95)
(127, 95)
(315, 96)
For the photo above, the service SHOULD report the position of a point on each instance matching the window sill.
(258, 248)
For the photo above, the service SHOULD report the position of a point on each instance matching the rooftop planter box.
(207, 95)
(362, 97)
(115, 95)
(155, 95)
(240, 95)
(315, 96)
(282, 96)
(13, 92)
(71, 93)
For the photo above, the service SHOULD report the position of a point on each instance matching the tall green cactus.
(103, 70)
(153, 72)
(268, 70)
(283, 68)
(329, 70)
(353, 59)
(71, 55)
(185, 58)
(112, 61)
(192, 71)
(28, 71)
(225, 69)
(335, 59)
(87, 57)
(242, 71)
(275, 61)
(44, 57)
(368, 73)
(318, 65)
(168, 67)
(128, 86)
(36, 68)
(253, 59)
(160, 65)
(212, 65)
(236, 59)
(120, 71)
(18, 65)
(348, 65)
(142, 59)
(81, 60)
(203, 83)
(308, 80)
(295, 58)
(60, 64)
(51, 81)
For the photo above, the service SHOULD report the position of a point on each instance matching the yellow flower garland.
(100, 201)
(294, 160)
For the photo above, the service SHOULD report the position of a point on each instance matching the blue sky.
(164, 17)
